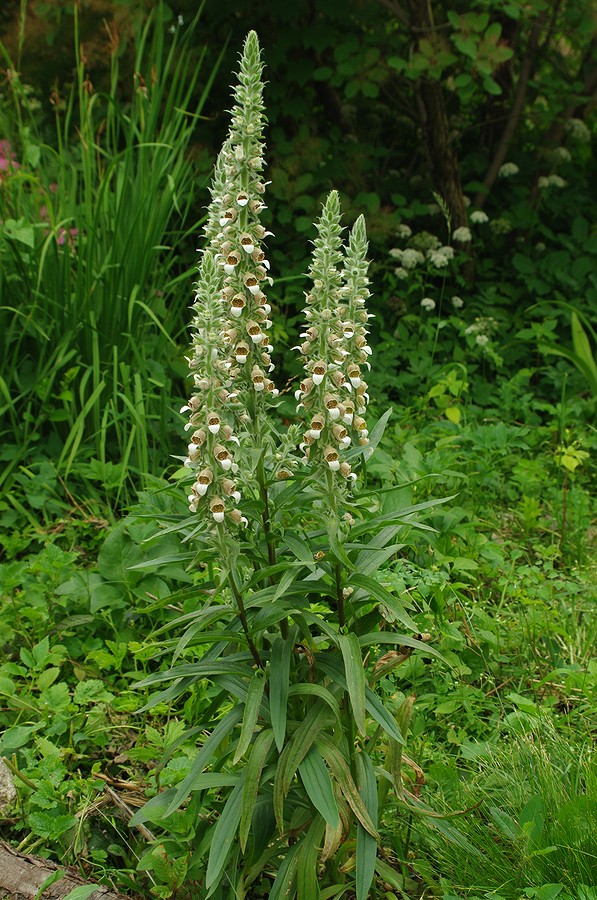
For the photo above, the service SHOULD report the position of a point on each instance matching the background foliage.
(106, 152)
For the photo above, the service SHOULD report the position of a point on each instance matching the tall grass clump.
(284, 641)
(92, 225)
(534, 819)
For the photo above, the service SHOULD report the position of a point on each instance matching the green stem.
(243, 620)
(239, 603)
(267, 531)
(337, 566)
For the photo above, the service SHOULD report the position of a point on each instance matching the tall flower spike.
(326, 392)
(236, 235)
(212, 439)
(353, 313)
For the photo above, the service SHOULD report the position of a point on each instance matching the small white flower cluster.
(441, 256)
(508, 170)
(335, 349)
(409, 258)
(501, 225)
(577, 130)
(561, 155)
(424, 241)
(478, 217)
(428, 304)
(547, 181)
(457, 302)
(482, 328)
(462, 235)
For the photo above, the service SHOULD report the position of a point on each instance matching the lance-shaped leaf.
(279, 683)
(223, 836)
(251, 713)
(355, 677)
(205, 755)
(341, 771)
(253, 772)
(319, 787)
(366, 844)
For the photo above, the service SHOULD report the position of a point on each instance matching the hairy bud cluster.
(335, 351)
(235, 234)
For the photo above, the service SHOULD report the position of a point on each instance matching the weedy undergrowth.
(290, 627)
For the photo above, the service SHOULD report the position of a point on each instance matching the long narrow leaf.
(251, 714)
(253, 771)
(223, 836)
(383, 596)
(366, 844)
(341, 771)
(303, 738)
(318, 785)
(279, 683)
(373, 704)
(205, 755)
(355, 677)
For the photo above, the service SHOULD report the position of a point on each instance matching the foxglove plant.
(299, 734)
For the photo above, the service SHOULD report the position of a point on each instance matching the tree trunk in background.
(22, 876)
(434, 121)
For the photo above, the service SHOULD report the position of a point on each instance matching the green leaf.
(235, 664)
(205, 755)
(81, 892)
(251, 714)
(582, 348)
(316, 690)
(302, 740)
(355, 677)
(376, 434)
(505, 823)
(383, 596)
(381, 637)
(253, 770)
(223, 836)
(51, 826)
(279, 668)
(282, 888)
(307, 887)
(343, 775)
(318, 785)
(373, 704)
(366, 843)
